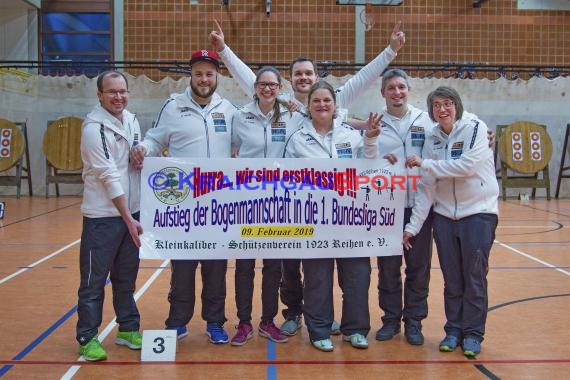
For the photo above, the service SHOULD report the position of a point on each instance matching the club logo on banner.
(535, 146)
(516, 142)
(271, 208)
(165, 186)
(5, 142)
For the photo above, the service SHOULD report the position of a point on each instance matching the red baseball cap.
(205, 55)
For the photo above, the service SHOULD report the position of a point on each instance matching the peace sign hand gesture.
(398, 38)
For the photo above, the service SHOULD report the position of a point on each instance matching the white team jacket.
(345, 95)
(419, 124)
(341, 142)
(105, 146)
(458, 174)
(188, 130)
(255, 135)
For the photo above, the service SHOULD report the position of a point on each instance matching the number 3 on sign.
(158, 346)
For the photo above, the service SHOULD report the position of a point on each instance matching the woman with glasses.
(260, 129)
(458, 178)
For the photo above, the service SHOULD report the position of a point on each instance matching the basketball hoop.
(366, 17)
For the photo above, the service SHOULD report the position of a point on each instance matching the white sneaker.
(356, 340)
(323, 345)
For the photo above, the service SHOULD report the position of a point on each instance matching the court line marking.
(16, 359)
(73, 370)
(485, 371)
(24, 269)
(271, 371)
(108, 363)
(504, 304)
(30, 245)
(530, 257)
(545, 243)
(70, 373)
(521, 226)
(38, 215)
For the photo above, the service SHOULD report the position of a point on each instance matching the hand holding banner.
(270, 208)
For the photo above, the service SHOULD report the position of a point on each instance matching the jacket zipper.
(207, 137)
(453, 181)
(265, 140)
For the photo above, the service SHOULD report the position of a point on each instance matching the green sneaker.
(92, 350)
(131, 339)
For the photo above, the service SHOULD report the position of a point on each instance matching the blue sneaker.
(290, 326)
(471, 346)
(335, 328)
(181, 331)
(449, 343)
(216, 333)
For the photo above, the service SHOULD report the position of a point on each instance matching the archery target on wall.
(516, 142)
(5, 142)
(11, 144)
(524, 147)
(535, 146)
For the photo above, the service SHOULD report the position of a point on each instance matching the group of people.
(447, 146)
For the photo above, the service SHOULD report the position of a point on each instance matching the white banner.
(270, 208)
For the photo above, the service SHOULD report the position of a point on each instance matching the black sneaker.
(414, 335)
(387, 331)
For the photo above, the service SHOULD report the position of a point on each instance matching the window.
(75, 43)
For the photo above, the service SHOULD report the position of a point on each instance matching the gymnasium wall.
(37, 99)
(438, 31)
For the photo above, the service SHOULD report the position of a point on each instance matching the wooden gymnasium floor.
(527, 328)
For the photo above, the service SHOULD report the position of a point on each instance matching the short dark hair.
(112, 74)
(447, 93)
(302, 58)
(395, 73)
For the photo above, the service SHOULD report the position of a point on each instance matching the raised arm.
(398, 37)
(362, 80)
(239, 70)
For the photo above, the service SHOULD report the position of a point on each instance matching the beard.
(200, 91)
(303, 88)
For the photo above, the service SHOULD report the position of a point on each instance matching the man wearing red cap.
(195, 123)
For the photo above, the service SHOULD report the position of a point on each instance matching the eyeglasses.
(446, 105)
(116, 92)
(270, 85)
